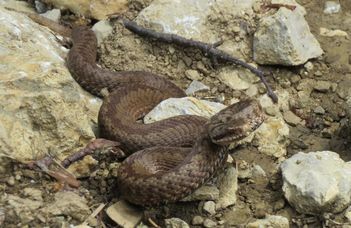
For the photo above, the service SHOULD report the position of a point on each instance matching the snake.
(168, 159)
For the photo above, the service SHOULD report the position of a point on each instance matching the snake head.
(235, 122)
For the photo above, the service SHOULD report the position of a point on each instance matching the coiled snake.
(174, 156)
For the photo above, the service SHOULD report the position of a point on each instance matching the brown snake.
(176, 155)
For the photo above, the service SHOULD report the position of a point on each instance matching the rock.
(319, 110)
(284, 38)
(193, 75)
(331, 186)
(197, 220)
(11, 181)
(273, 221)
(102, 29)
(308, 66)
(176, 223)
(183, 106)
(332, 32)
(348, 213)
(322, 86)
(18, 5)
(53, 15)
(40, 6)
(291, 118)
(208, 223)
(272, 137)
(228, 185)
(125, 214)
(68, 204)
(210, 207)
(203, 193)
(42, 107)
(97, 9)
(179, 17)
(196, 86)
(234, 79)
(331, 7)
(33, 194)
(25, 209)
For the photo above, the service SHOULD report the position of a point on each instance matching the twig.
(209, 49)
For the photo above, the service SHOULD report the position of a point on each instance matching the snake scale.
(170, 158)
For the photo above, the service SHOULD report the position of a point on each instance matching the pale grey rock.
(183, 106)
(196, 86)
(125, 214)
(322, 86)
(210, 207)
(317, 182)
(69, 204)
(40, 6)
(203, 193)
(291, 118)
(234, 79)
(33, 194)
(42, 107)
(227, 185)
(54, 15)
(274, 221)
(197, 220)
(308, 66)
(102, 29)
(348, 213)
(193, 75)
(285, 38)
(208, 223)
(24, 208)
(332, 32)
(331, 7)
(319, 110)
(251, 171)
(179, 17)
(91, 9)
(176, 223)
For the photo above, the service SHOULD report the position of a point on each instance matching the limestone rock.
(291, 118)
(102, 29)
(183, 106)
(285, 38)
(237, 79)
(176, 223)
(24, 208)
(124, 214)
(208, 223)
(274, 221)
(317, 182)
(196, 86)
(97, 9)
(210, 207)
(42, 107)
(53, 15)
(69, 204)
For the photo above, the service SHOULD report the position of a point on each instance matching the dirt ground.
(330, 131)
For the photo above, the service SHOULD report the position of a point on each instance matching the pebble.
(322, 86)
(331, 7)
(11, 181)
(319, 110)
(210, 207)
(197, 220)
(193, 75)
(291, 118)
(176, 223)
(348, 213)
(278, 205)
(318, 73)
(209, 223)
(308, 66)
(196, 86)
(54, 15)
(40, 6)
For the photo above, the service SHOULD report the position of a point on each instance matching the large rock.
(98, 9)
(285, 38)
(317, 182)
(42, 108)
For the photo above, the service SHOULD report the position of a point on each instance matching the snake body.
(173, 157)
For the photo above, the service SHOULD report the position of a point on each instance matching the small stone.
(260, 211)
(295, 78)
(348, 213)
(102, 29)
(193, 75)
(319, 110)
(176, 223)
(332, 32)
(278, 205)
(33, 193)
(270, 221)
(308, 66)
(322, 86)
(40, 6)
(232, 79)
(54, 15)
(252, 91)
(209, 223)
(291, 118)
(318, 73)
(196, 86)
(210, 207)
(331, 7)
(124, 214)
(197, 220)
(11, 181)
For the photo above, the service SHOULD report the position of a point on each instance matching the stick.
(210, 49)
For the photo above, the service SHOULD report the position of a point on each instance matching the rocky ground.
(269, 183)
